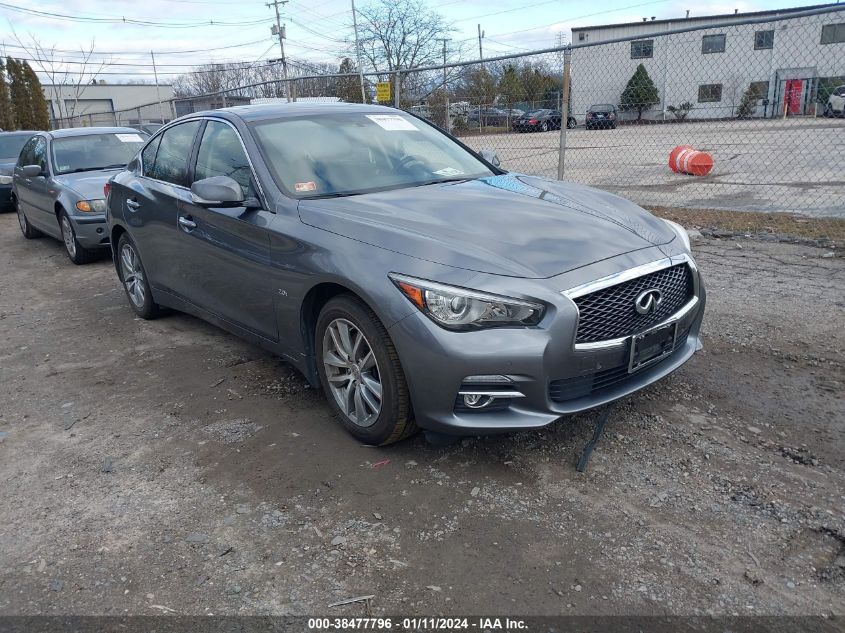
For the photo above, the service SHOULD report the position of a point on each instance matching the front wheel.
(361, 374)
(77, 253)
(544, 127)
(134, 280)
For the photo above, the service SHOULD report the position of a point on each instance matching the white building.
(105, 104)
(790, 58)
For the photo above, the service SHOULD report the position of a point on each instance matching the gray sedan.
(10, 148)
(58, 185)
(416, 281)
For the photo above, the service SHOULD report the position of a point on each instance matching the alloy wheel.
(352, 372)
(68, 237)
(133, 275)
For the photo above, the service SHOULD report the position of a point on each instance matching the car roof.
(85, 131)
(261, 112)
(15, 132)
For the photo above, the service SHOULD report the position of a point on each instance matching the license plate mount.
(651, 346)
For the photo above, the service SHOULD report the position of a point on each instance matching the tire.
(133, 278)
(29, 232)
(544, 126)
(828, 111)
(571, 123)
(77, 253)
(340, 326)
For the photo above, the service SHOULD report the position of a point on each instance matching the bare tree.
(68, 78)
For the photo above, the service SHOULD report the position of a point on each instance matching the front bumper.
(553, 377)
(91, 230)
(6, 198)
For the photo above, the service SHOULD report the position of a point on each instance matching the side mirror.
(217, 191)
(491, 157)
(31, 171)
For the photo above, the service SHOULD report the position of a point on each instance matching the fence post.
(138, 110)
(396, 95)
(564, 113)
(293, 90)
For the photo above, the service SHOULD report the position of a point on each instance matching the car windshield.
(12, 144)
(95, 151)
(603, 107)
(349, 154)
(539, 112)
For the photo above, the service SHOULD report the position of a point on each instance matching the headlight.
(460, 309)
(5, 180)
(681, 232)
(91, 206)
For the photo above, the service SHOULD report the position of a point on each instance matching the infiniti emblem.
(647, 301)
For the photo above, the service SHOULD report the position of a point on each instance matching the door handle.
(187, 223)
(133, 204)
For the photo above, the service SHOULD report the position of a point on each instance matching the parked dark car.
(601, 116)
(487, 116)
(11, 144)
(58, 184)
(418, 283)
(541, 121)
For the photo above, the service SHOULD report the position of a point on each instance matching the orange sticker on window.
(305, 186)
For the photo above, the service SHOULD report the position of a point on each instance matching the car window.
(39, 153)
(221, 154)
(347, 154)
(27, 155)
(148, 156)
(12, 144)
(90, 152)
(174, 152)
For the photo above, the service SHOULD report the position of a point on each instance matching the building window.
(713, 44)
(760, 89)
(763, 40)
(709, 93)
(582, 36)
(833, 33)
(640, 49)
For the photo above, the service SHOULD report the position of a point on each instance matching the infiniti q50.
(420, 284)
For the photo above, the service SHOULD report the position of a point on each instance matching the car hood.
(509, 224)
(88, 185)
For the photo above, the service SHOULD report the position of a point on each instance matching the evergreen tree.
(640, 93)
(348, 88)
(7, 114)
(37, 102)
(19, 95)
(510, 87)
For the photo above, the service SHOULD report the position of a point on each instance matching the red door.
(792, 95)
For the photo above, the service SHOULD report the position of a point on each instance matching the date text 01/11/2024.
(417, 624)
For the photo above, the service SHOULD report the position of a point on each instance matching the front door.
(793, 95)
(226, 251)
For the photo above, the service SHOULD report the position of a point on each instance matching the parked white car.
(836, 102)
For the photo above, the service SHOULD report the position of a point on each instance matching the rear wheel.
(27, 229)
(361, 374)
(828, 111)
(77, 253)
(544, 127)
(134, 280)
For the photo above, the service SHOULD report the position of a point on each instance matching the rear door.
(151, 204)
(226, 251)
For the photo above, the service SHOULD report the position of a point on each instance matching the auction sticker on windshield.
(449, 171)
(130, 138)
(392, 122)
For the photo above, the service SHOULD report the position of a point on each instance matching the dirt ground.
(166, 467)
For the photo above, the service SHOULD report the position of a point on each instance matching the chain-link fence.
(763, 97)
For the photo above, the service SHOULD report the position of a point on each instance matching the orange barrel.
(686, 160)
(673, 156)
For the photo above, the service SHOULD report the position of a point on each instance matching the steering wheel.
(410, 162)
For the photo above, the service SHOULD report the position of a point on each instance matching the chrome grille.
(609, 313)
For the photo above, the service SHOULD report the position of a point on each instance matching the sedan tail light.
(532, 121)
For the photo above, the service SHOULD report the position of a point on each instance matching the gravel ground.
(166, 467)
(793, 165)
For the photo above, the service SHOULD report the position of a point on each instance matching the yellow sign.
(383, 91)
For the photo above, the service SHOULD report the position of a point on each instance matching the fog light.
(476, 400)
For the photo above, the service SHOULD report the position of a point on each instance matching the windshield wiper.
(79, 169)
(439, 181)
(336, 194)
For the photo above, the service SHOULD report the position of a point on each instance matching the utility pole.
(280, 31)
(480, 35)
(358, 54)
(158, 92)
(445, 87)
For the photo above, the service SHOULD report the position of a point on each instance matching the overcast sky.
(316, 29)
